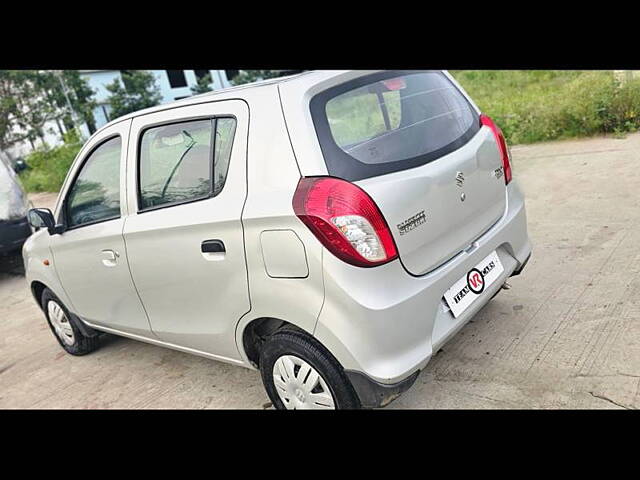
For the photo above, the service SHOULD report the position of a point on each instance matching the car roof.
(239, 91)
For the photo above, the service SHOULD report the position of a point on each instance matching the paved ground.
(567, 335)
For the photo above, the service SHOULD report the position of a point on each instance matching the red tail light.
(502, 146)
(345, 220)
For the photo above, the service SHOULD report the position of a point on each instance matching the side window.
(183, 162)
(225, 130)
(95, 194)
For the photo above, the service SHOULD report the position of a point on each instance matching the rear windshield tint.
(390, 121)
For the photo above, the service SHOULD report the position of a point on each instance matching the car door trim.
(162, 343)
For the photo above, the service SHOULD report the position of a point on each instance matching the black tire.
(299, 344)
(81, 344)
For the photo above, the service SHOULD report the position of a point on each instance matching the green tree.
(203, 85)
(29, 99)
(137, 90)
(66, 90)
(81, 96)
(250, 76)
(24, 106)
(7, 108)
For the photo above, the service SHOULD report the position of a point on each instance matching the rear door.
(414, 143)
(184, 237)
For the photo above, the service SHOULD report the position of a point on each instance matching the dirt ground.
(567, 334)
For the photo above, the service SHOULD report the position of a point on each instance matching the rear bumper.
(374, 394)
(13, 234)
(385, 323)
(520, 268)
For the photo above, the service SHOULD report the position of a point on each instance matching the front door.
(89, 256)
(184, 233)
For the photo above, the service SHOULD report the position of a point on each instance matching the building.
(173, 85)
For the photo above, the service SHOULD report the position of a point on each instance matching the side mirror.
(43, 218)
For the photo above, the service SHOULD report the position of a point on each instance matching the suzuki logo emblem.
(460, 179)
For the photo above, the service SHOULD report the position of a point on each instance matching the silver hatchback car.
(332, 229)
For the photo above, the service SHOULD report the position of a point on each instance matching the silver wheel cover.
(300, 386)
(60, 323)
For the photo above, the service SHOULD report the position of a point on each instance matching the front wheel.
(299, 373)
(63, 327)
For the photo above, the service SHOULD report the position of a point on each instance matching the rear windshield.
(390, 121)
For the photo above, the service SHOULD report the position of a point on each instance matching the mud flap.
(373, 394)
(86, 330)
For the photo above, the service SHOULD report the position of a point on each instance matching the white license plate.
(473, 284)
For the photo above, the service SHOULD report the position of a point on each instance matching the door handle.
(213, 246)
(109, 258)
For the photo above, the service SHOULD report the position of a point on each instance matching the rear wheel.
(299, 373)
(64, 328)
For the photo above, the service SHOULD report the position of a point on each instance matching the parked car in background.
(19, 165)
(331, 229)
(14, 205)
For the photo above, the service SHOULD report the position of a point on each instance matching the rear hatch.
(415, 144)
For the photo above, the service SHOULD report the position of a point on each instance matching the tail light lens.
(502, 146)
(345, 220)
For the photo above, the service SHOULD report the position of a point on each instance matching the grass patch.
(538, 105)
(48, 167)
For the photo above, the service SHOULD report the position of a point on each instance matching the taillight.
(345, 220)
(502, 146)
